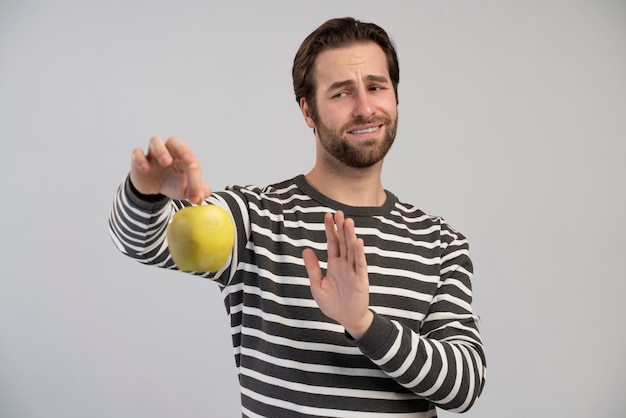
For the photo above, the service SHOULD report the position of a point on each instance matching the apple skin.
(201, 238)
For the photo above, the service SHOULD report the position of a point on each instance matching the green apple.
(201, 238)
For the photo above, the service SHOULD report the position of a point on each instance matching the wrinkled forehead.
(354, 63)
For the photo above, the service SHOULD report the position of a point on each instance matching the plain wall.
(512, 127)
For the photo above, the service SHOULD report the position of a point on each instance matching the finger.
(360, 262)
(139, 161)
(186, 160)
(206, 191)
(195, 186)
(350, 239)
(158, 152)
(331, 236)
(312, 265)
(340, 220)
(176, 147)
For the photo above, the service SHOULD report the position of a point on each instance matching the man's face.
(355, 114)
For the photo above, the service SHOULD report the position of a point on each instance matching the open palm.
(343, 294)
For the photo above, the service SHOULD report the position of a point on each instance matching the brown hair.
(336, 33)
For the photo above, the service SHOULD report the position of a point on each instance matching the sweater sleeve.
(138, 225)
(444, 361)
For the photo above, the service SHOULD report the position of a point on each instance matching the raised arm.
(444, 362)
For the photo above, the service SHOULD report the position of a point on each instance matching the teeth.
(365, 131)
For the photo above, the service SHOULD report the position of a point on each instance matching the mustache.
(376, 120)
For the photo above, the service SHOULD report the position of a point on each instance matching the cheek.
(334, 116)
(390, 105)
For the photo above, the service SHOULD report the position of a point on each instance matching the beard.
(364, 154)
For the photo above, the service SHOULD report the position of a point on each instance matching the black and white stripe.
(423, 349)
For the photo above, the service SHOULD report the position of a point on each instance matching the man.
(343, 300)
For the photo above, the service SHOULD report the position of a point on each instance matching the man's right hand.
(168, 168)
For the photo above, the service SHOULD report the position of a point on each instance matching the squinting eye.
(342, 94)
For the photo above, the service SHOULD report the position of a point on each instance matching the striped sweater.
(423, 349)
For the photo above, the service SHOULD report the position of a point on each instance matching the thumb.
(312, 267)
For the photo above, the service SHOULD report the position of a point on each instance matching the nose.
(363, 106)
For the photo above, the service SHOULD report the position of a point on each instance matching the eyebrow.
(340, 84)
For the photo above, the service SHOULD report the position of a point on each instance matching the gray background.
(512, 127)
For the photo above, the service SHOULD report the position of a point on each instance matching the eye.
(340, 95)
(377, 88)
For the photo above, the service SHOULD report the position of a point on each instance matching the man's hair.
(337, 33)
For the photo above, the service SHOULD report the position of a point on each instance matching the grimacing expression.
(354, 109)
(361, 155)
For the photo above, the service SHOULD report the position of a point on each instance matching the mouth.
(364, 130)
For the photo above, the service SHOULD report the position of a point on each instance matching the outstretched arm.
(159, 181)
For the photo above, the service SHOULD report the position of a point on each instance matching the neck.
(350, 186)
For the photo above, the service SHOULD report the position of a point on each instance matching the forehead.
(352, 62)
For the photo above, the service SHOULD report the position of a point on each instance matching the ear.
(306, 112)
